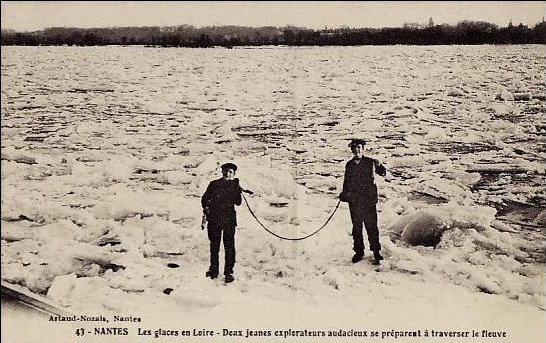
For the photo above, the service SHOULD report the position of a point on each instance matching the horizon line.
(326, 27)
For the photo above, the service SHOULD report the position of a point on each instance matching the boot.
(357, 257)
(211, 274)
(229, 278)
(377, 257)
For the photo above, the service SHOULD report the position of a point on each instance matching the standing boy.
(360, 191)
(218, 204)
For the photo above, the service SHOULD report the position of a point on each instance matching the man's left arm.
(379, 168)
(237, 193)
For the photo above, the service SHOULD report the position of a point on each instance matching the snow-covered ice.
(107, 150)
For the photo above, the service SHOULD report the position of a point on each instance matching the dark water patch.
(538, 201)
(21, 159)
(204, 109)
(402, 174)
(393, 136)
(518, 210)
(535, 109)
(515, 118)
(112, 266)
(426, 198)
(461, 147)
(39, 139)
(21, 217)
(111, 242)
(504, 178)
(44, 130)
(146, 171)
(495, 169)
(522, 97)
(541, 128)
(265, 132)
(83, 90)
(396, 146)
(30, 108)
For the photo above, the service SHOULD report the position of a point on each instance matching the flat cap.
(357, 141)
(229, 166)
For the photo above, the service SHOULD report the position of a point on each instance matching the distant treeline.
(465, 32)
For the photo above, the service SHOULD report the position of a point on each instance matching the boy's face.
(358, 150)
(228, 174)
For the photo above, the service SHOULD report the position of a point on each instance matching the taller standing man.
(360, 191)
(218, 204)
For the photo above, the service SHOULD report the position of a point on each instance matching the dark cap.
(356, 142)
(229, 166)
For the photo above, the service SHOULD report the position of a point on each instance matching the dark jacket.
(219, 201)
(358, 183)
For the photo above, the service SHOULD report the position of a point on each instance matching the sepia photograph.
(259, 171)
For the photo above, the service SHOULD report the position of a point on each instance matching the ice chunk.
(61, 287)
(445, 189)
(175, 178)
(208, 165)
(426, 226)
(92, 127)
(407, 161)
(504, 95)
(485, 284)
(455, 92)
(436, 134)
(425, 230)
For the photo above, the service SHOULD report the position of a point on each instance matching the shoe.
(229, 278)
(357, 257)
(377, 257)
(211, 274)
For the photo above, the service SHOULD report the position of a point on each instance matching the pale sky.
(37, 15)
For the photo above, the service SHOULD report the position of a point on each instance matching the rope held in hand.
(288, 238)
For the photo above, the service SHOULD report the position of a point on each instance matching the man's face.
(358, 150)
(228, 174)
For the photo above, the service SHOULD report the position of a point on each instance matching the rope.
(288, 238)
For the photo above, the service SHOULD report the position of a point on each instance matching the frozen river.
(105, 151)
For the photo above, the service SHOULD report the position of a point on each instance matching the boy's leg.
(358, 240)
(215, 235)
(370, 221)
(229, 249)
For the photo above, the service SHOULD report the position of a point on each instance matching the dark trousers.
(215, 232)
(367, 213)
